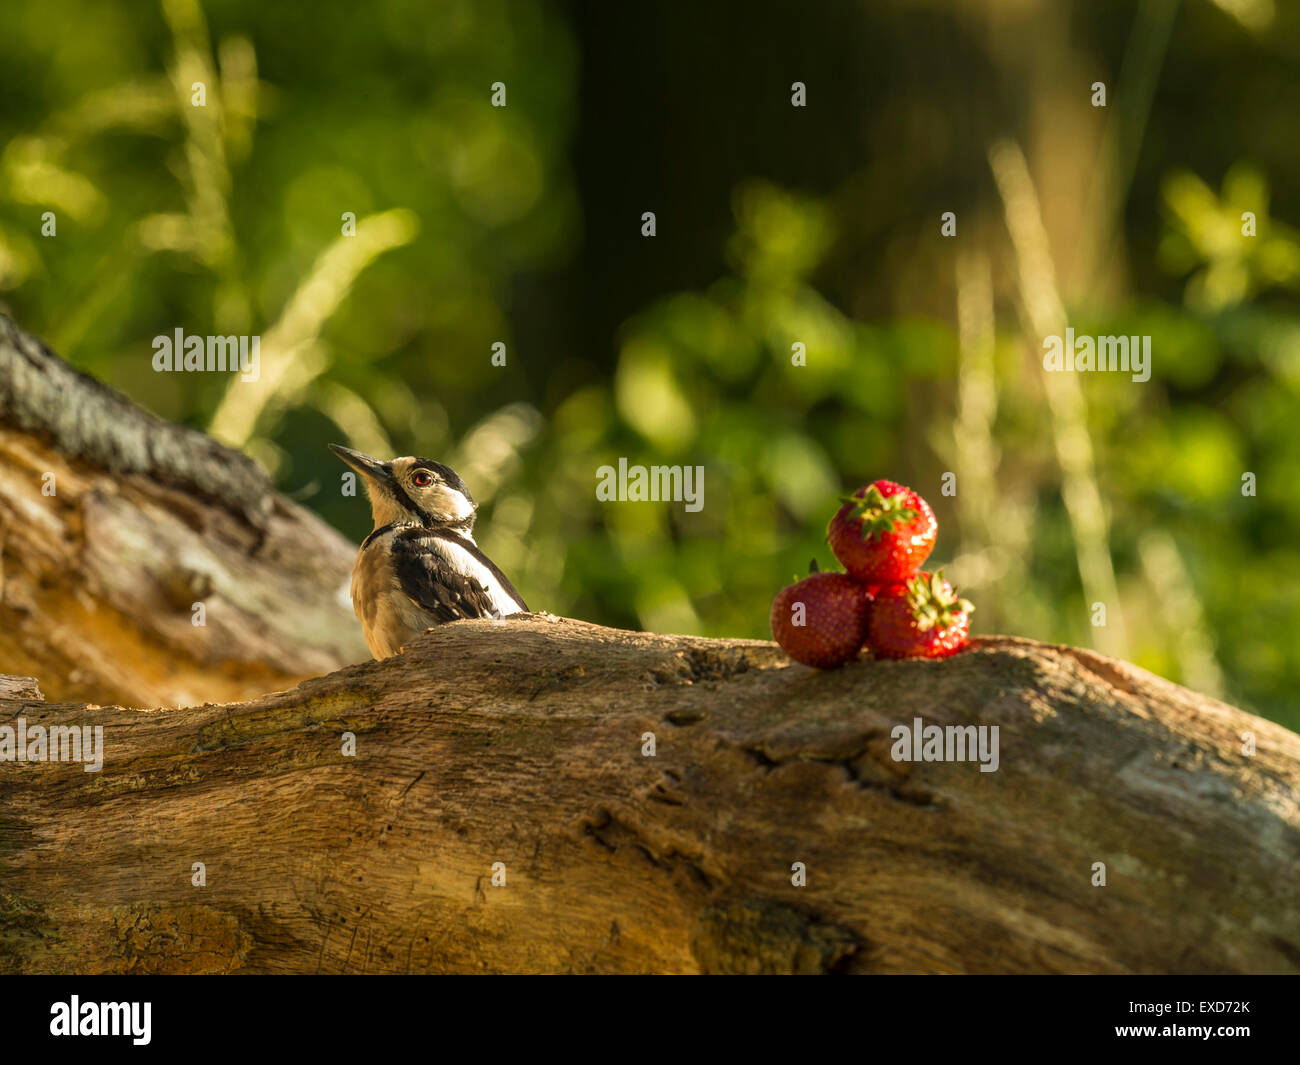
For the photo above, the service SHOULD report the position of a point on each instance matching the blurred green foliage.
(776, 227)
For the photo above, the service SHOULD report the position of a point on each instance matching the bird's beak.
(363, 464)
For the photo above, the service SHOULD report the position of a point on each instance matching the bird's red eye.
(423, 478)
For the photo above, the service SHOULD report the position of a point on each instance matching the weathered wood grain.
(19, 687)
(520, 742)
(98, 579)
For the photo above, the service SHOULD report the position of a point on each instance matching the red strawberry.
(920, 619)
(832, 624)
(883, 533)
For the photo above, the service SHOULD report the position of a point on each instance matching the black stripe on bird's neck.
(378, 531)
(463, 525)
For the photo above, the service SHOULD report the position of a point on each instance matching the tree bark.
(523, 743)
(115, 525)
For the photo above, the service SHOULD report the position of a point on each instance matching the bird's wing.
(498, 584)
(435, 575)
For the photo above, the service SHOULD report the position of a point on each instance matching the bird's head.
(413, 489)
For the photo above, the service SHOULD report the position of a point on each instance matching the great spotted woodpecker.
(420, 567)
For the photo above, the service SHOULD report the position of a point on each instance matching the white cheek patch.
(467, 565)
(445, 501)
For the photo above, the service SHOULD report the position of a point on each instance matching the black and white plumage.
(420, 567)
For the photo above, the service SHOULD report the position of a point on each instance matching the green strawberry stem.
(933, 604)
(878, 514)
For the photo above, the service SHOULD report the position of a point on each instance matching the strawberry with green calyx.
(922, 618)
(883, 533)
(821, 620)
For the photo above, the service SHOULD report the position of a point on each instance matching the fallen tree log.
(115, 525)
(502, 813)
